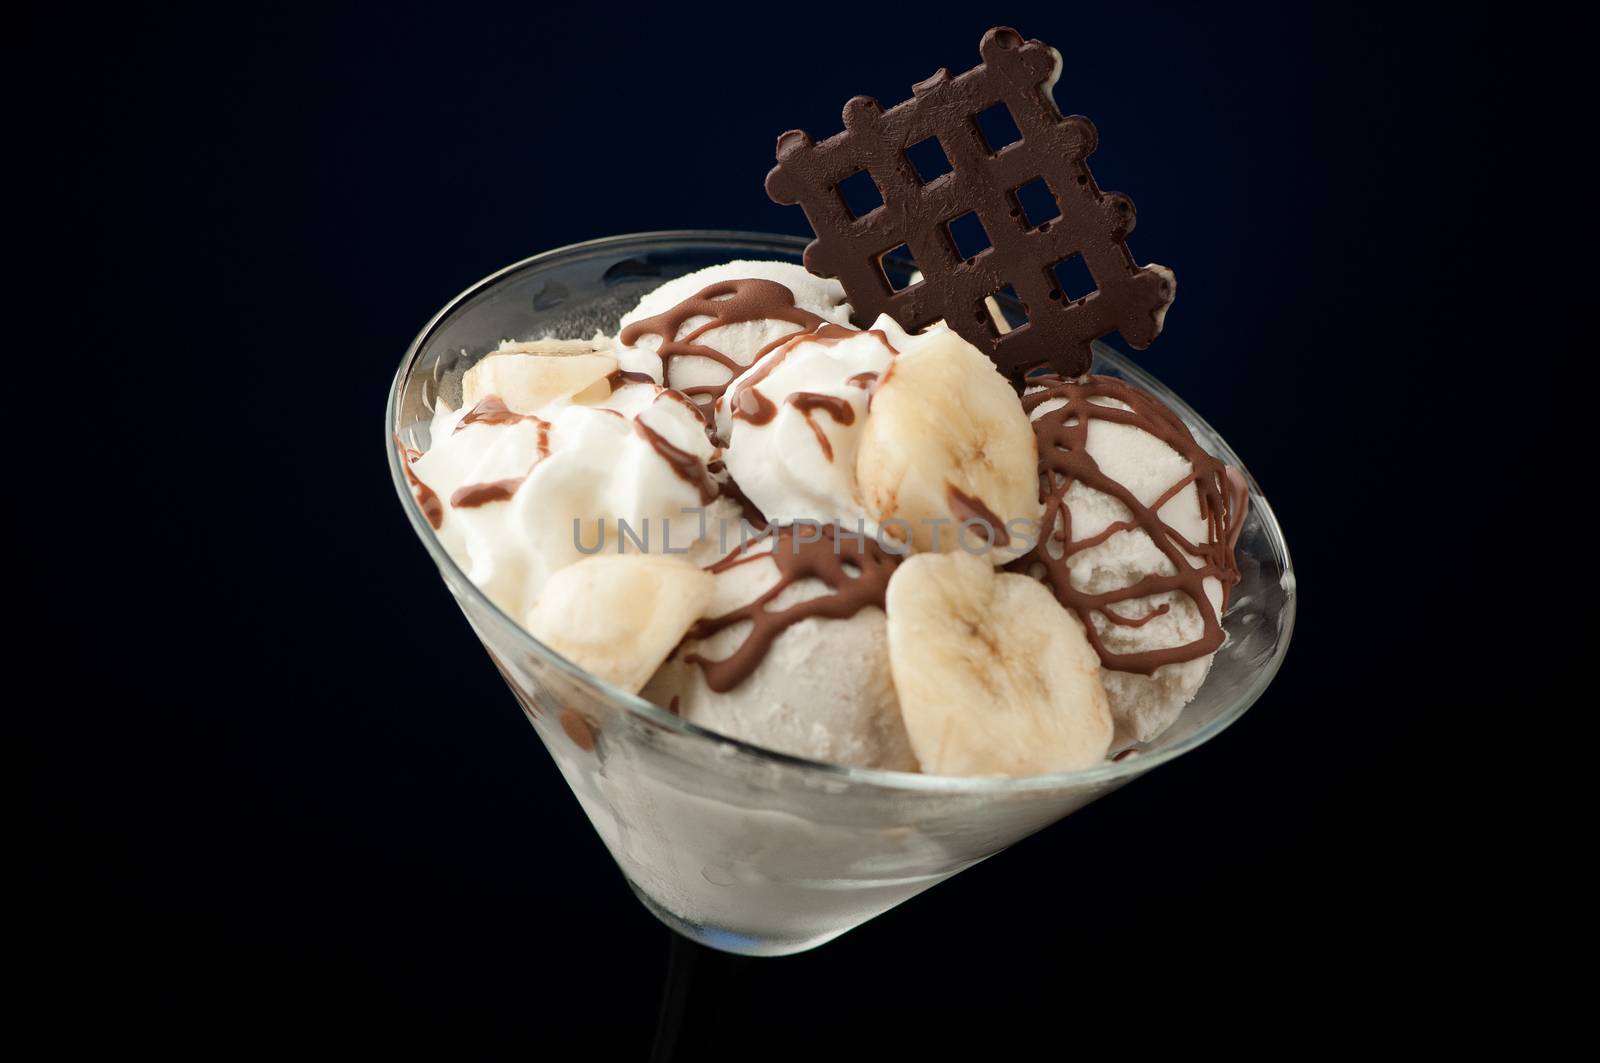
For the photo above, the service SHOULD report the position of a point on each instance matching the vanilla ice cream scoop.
(704, 329)
(1139, 529)
(793, 654)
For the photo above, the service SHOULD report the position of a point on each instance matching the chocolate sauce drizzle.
(620, 377)
(732, 302)
(471, 496)
(674, 395)
(750, 405)
(491, 410)
(856, 574)
(966, 507)
(808, 402)
(688, 468)
(749, 512)
(427, 500)
(1064, 460)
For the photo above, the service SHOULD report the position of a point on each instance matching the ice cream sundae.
(862, 546)
(872, 542)
(905, 564)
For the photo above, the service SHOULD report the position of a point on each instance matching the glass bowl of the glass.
(741, 848)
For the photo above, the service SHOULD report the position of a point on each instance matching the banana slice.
(946, 442)
(529, 376)
(618, 616)
(994, 677)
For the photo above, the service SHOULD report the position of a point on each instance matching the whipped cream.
(524, 498)
(793, 423)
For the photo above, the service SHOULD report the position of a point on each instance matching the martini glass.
(734, 846)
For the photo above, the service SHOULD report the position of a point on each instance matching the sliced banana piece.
(994, 677)
(947, 441)
(618, 616)
(530, 376)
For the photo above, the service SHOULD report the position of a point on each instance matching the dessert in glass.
(814, 609)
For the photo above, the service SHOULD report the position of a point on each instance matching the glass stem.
(697, 1000)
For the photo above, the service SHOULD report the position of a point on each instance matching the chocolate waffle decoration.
(984, 180)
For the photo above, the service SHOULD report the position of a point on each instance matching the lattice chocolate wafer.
(987, 181)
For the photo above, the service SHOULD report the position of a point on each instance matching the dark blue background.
(278, 779)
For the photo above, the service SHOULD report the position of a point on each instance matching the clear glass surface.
(738, 847)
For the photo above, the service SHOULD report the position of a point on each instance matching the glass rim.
(1106, 773)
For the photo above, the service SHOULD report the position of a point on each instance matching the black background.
(275, 778)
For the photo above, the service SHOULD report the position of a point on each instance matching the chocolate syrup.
(471, 496)
(826, 558)
(1064, 460)
(840, 410)
(730, 302)
(965, 507)
(427, 501)
(688, 468)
